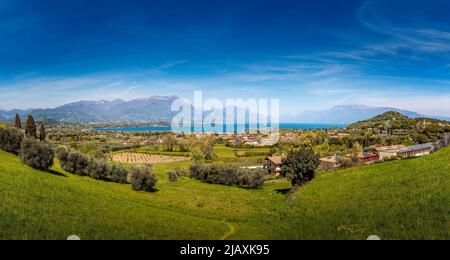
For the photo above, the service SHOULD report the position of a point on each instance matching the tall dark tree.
(30, 128)
(18, 123)
(300, 166)
(42, 133)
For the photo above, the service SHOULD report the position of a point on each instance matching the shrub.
(227, 175)
(10, 140)
(62, 153)
(175, 174)
(77, 163)
(118, 174)
(36, 155)
(172, 175)
(143, 179)
(98, 169)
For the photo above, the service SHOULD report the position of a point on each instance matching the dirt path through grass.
(230, 232)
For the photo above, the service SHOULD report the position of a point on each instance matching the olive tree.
(36, 155)
(10, 140)
(143, 179)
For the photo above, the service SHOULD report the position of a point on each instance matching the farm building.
(273, 164)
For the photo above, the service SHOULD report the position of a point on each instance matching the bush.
(62, 153)
(36, 155)
(227, 175)
(98, 169)
(175, 174)
(77, 163)
(83, 165)
(143, 179)
(118, 174)
(10, 140)
(172, 175)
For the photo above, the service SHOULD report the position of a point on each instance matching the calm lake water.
(209, 129)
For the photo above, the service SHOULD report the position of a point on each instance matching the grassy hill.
(396, 120)
(397, 200)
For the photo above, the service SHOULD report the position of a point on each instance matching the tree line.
(227, 175)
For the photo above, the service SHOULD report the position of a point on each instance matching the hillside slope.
(396, 120)
(398, 200)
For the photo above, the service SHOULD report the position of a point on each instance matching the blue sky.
(311, 55)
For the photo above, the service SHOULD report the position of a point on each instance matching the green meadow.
(407, 199)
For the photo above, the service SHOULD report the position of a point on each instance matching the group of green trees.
(30, 128)
(227, 175)
(36, 153)
(200, 149)
(31, 148)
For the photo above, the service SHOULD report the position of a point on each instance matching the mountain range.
(154, 109)
(347, 114)
(158, 109)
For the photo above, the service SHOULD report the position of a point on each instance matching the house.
(273, 164)
(377, 149)
(416, 150)
(330, 163)
(369, 157)
(386, 152)
(402, 151)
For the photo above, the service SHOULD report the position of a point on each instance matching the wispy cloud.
(425, 40)
(171, 64)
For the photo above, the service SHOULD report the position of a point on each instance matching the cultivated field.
(140, 158)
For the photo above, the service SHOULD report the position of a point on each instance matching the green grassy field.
(396, 200)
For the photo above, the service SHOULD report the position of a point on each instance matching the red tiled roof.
(276, 159)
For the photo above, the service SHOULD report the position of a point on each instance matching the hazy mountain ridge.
(347, 114)
(158, 109)
(154, 109)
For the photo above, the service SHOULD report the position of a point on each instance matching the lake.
(209, 129)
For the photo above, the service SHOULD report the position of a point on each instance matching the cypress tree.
(30, 128)
(18, 123)
(42, 133)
